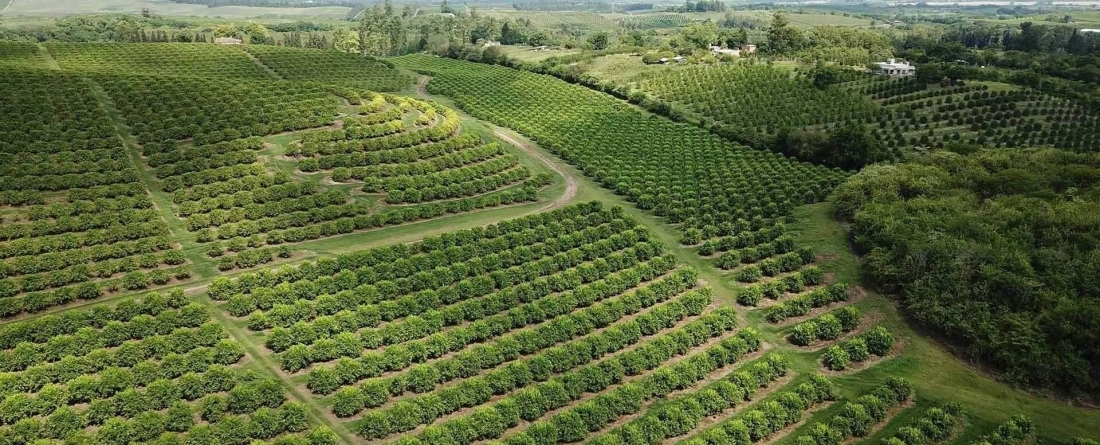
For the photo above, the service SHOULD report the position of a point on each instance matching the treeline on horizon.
(273, 3)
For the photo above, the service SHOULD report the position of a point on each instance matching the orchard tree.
(879, 341)
(836, 358)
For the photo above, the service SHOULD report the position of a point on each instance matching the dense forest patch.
(997, 250)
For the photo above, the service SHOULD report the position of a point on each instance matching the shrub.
(856, 349)
(836, 358)
(749, 274)
(828, 327)
(879, 341)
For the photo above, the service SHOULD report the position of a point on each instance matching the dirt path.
(571, 184)
(319, 414)
(267, 69)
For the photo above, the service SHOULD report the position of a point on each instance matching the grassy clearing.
(618, 68)
(524, 53)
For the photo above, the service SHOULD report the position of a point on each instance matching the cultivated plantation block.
(337, 223)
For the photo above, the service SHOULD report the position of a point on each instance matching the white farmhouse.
(719, 51)
(894, 68)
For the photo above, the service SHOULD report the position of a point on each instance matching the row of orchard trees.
(142, 370)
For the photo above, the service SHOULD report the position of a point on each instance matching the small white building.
(490, 43)
(894, 68)
(719, 51)
(227, 41)
(748, 48)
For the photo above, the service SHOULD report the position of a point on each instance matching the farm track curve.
(571, 184)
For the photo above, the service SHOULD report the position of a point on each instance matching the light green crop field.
(806, 19)
(542, 19)
(617, 67)
(525, 53)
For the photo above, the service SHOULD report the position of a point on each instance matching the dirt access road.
(571, 183)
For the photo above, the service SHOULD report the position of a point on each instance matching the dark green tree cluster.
(851, 146)
(996, 250)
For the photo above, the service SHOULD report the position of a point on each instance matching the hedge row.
(935, 425)
(421, 327)
(857, 418)
(576, 423)
(522, 368)
(803, 304)
(878, 341)
(810, 276)
(682, 415)
(768, 417)
(334, 275)
(553, 394)
(826, 327)
(770, 267)
(390, 297)
(1015, 431)
(526, 342)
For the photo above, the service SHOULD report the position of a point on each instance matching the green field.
(937, 376)
(281, 246)
(163, 7)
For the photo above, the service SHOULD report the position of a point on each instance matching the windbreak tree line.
(998, 251)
